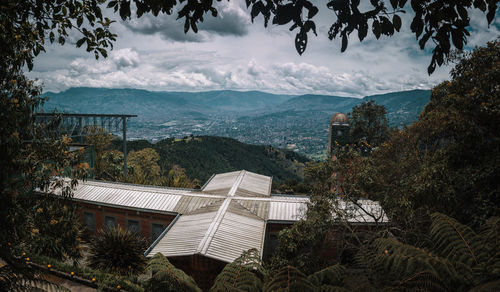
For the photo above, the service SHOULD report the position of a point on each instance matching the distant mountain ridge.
(298, 122)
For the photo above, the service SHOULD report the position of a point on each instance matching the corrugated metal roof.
(254, 184)
(236, 234)
(221, 231)
(185, 235)
(221, 183)
(224, 219)
(239, 183)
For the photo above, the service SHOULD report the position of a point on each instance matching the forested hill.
(205, 155)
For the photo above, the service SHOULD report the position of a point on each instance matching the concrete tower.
(339, 133)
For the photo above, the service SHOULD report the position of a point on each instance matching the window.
(156, 231)
(134, 226)
(89, 220)
(109, 221)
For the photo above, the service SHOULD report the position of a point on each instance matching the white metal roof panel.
(141, 198)
(185, 235)
(254, 184)
(292, 210)
(236, 234)
(222, 182)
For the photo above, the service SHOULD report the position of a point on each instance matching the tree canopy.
(31, 23)
(448, 161)
(369, 122)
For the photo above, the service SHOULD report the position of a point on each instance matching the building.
(339, 133)
(200, 230)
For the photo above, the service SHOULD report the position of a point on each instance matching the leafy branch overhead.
(435, 20)
(445, 23)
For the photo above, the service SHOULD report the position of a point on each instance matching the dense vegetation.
(448, 161)
(203, 156)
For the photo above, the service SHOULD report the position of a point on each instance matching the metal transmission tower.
(74, 124)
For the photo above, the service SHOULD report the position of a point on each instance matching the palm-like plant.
(245, 273)
(118, 251)
(166, 277)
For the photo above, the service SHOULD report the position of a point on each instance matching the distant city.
(298, 123)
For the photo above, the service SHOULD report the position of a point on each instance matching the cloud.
(232, 20)
(125, 58)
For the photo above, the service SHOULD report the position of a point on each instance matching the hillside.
(205, 155)
(402, 107)
(299, 123)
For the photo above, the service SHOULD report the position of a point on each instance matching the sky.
(231, 52)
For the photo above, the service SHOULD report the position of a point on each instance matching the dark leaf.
(457, 38)
(79, 21)
(256, 9)
(52, 37)
(111, 4)
(402, 3)
(431, 67)
(386, 26)
(424, 39)
(462, 11)
(186, 25)
(376, 28)
(362, 31)
(394, 4)
(396, 21)
(492, 8)
(337, 4)
(194, 27)
(312, 11)
(301, 42)
(481, 4)
(417, 26)
(125, 9)
(284, 14)
(309, 25)
(80, 42)
(344, 43)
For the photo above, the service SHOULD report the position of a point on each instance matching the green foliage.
(165, 277)
(145, 168)
(118, 251)
(101, 140)
(205, 155)
(177, 178)
(103, 279)
(329, 277)
(56, 229)
(289, 279)
(112, 164)
(448, 161)
(369, 122)
(245, 273)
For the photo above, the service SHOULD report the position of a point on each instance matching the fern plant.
(12, 281)
(462, 245)
(289, 279)
(245, 273)
(166, 277)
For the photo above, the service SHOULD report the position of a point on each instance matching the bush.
(118, 251)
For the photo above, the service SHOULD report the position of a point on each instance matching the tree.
(448, 161)
(101, 140)
(369, 122)
(145, 167)
(177, 178)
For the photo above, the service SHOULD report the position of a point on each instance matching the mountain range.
(297, 122)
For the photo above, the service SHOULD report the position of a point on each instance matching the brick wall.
(122, 216)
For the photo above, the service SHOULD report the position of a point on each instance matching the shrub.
(118, 251)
